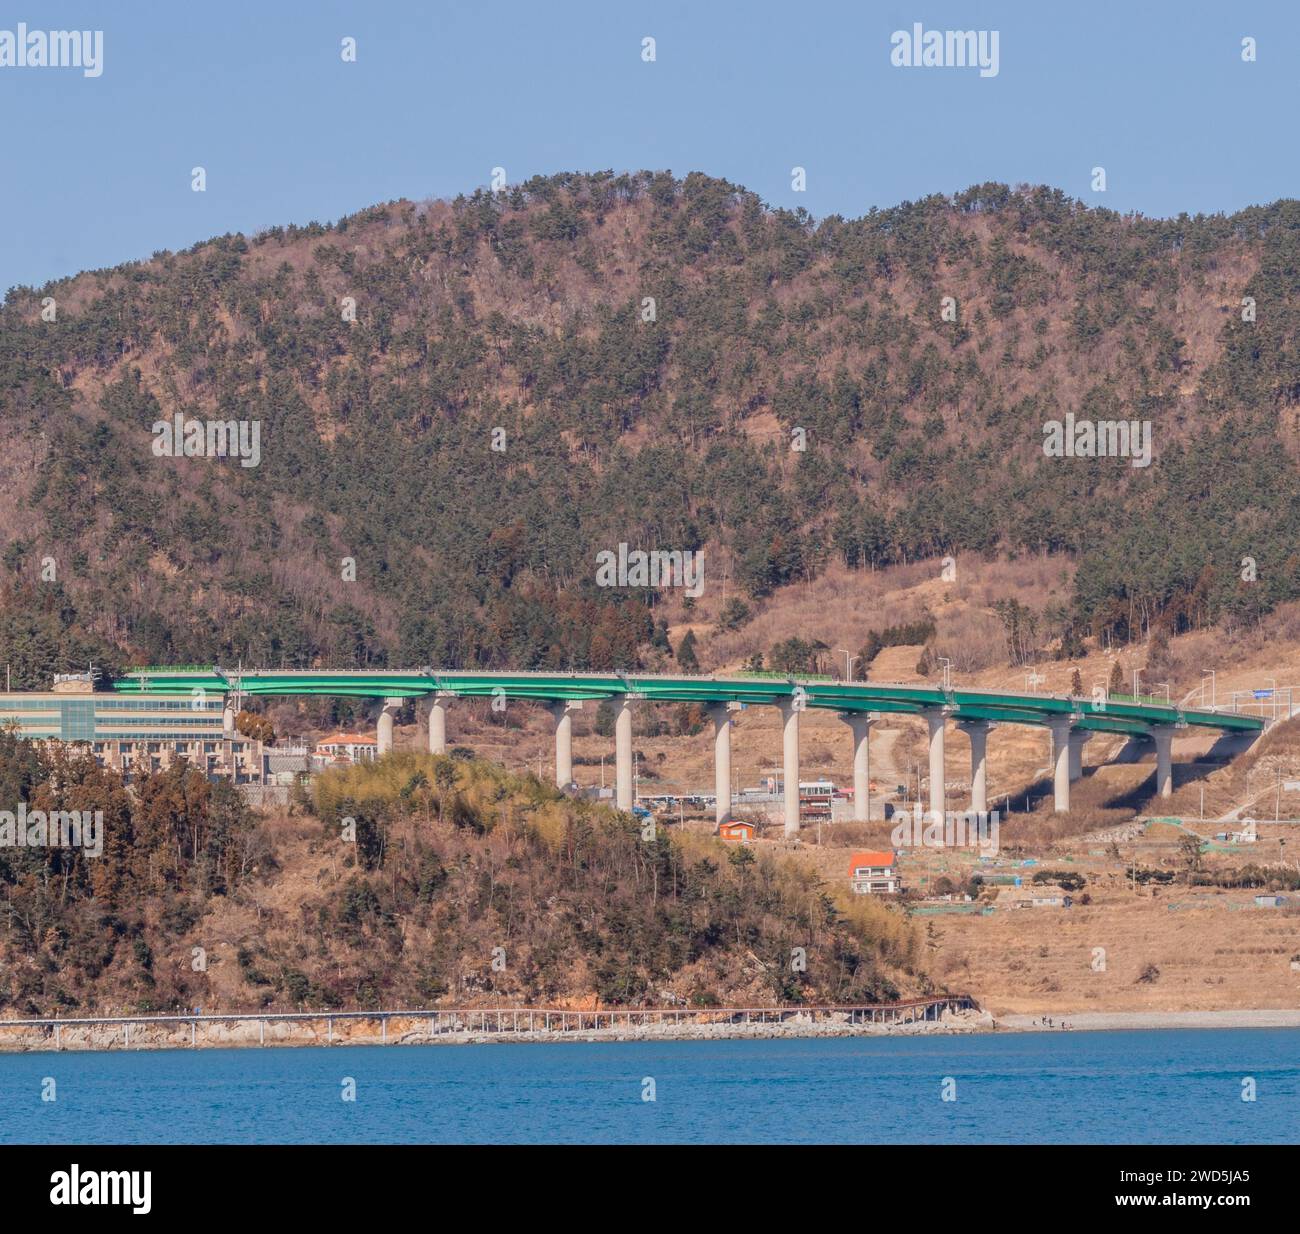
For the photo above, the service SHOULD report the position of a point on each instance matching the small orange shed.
(736, 830)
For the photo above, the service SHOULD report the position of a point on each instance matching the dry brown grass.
(842, 606)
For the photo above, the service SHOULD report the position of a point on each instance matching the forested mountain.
(648, 346)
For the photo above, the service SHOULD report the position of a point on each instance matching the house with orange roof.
(346, 748)
(874, 873)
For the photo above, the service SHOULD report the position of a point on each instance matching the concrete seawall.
(466, 1028)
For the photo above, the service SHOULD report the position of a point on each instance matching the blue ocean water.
(1171, 1086)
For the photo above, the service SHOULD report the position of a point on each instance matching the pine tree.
(686, 658)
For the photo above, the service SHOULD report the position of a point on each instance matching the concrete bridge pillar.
(721, 713)
(438, 724)
(978, 732)
(860, 722)
(384, 742)
(624, 790)
(1163, 736)
(1079, 737)
(1060, 727)
(790, 709)
(935, 717)
(561, 713)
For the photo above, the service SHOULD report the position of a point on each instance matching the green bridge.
(1071, 721)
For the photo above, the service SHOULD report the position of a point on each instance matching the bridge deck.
(1115, 715)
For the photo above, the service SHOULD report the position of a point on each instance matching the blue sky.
(97, 171)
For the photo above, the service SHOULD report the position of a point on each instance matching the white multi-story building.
(136, 733)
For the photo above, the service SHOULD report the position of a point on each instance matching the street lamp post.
(850, 661)
(947, 673)
(1210, 671)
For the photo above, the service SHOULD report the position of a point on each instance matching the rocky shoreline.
(414, 1031)
(217, 1034)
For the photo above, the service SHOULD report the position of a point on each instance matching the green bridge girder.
(1127, 718)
